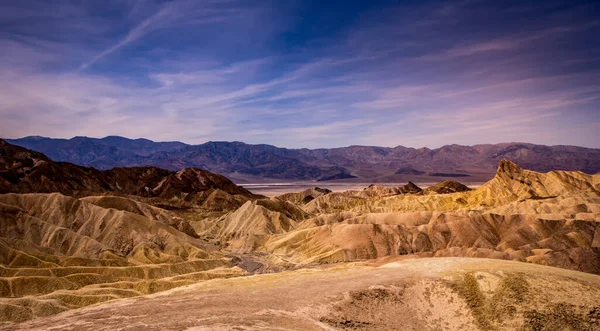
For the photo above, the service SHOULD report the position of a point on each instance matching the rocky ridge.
(26, 171)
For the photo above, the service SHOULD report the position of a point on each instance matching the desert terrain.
(146, 248)
(187, 165)
(415, 294)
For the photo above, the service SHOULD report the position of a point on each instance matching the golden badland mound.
(546, 218)
(59, 252)
(248, 227)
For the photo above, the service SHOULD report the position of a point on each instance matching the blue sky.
(303, 73)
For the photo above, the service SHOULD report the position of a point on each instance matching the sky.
(303, 73)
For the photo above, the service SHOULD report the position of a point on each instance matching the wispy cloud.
(511, 43)
(416, 75)
(180, 12)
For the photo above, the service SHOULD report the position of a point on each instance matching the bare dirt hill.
(416, 294)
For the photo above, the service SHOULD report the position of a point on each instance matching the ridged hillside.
(548, 218)
(72, 236)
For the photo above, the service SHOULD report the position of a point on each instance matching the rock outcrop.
(305, 196)
(447, 186)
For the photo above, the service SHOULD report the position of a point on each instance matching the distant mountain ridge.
(242, 162)
(26, 171)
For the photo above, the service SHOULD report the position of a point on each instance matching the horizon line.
(293, 148)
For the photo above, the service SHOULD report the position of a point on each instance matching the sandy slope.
(416, 294)
(60, 253)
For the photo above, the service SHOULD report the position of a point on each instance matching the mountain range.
(247, 163)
